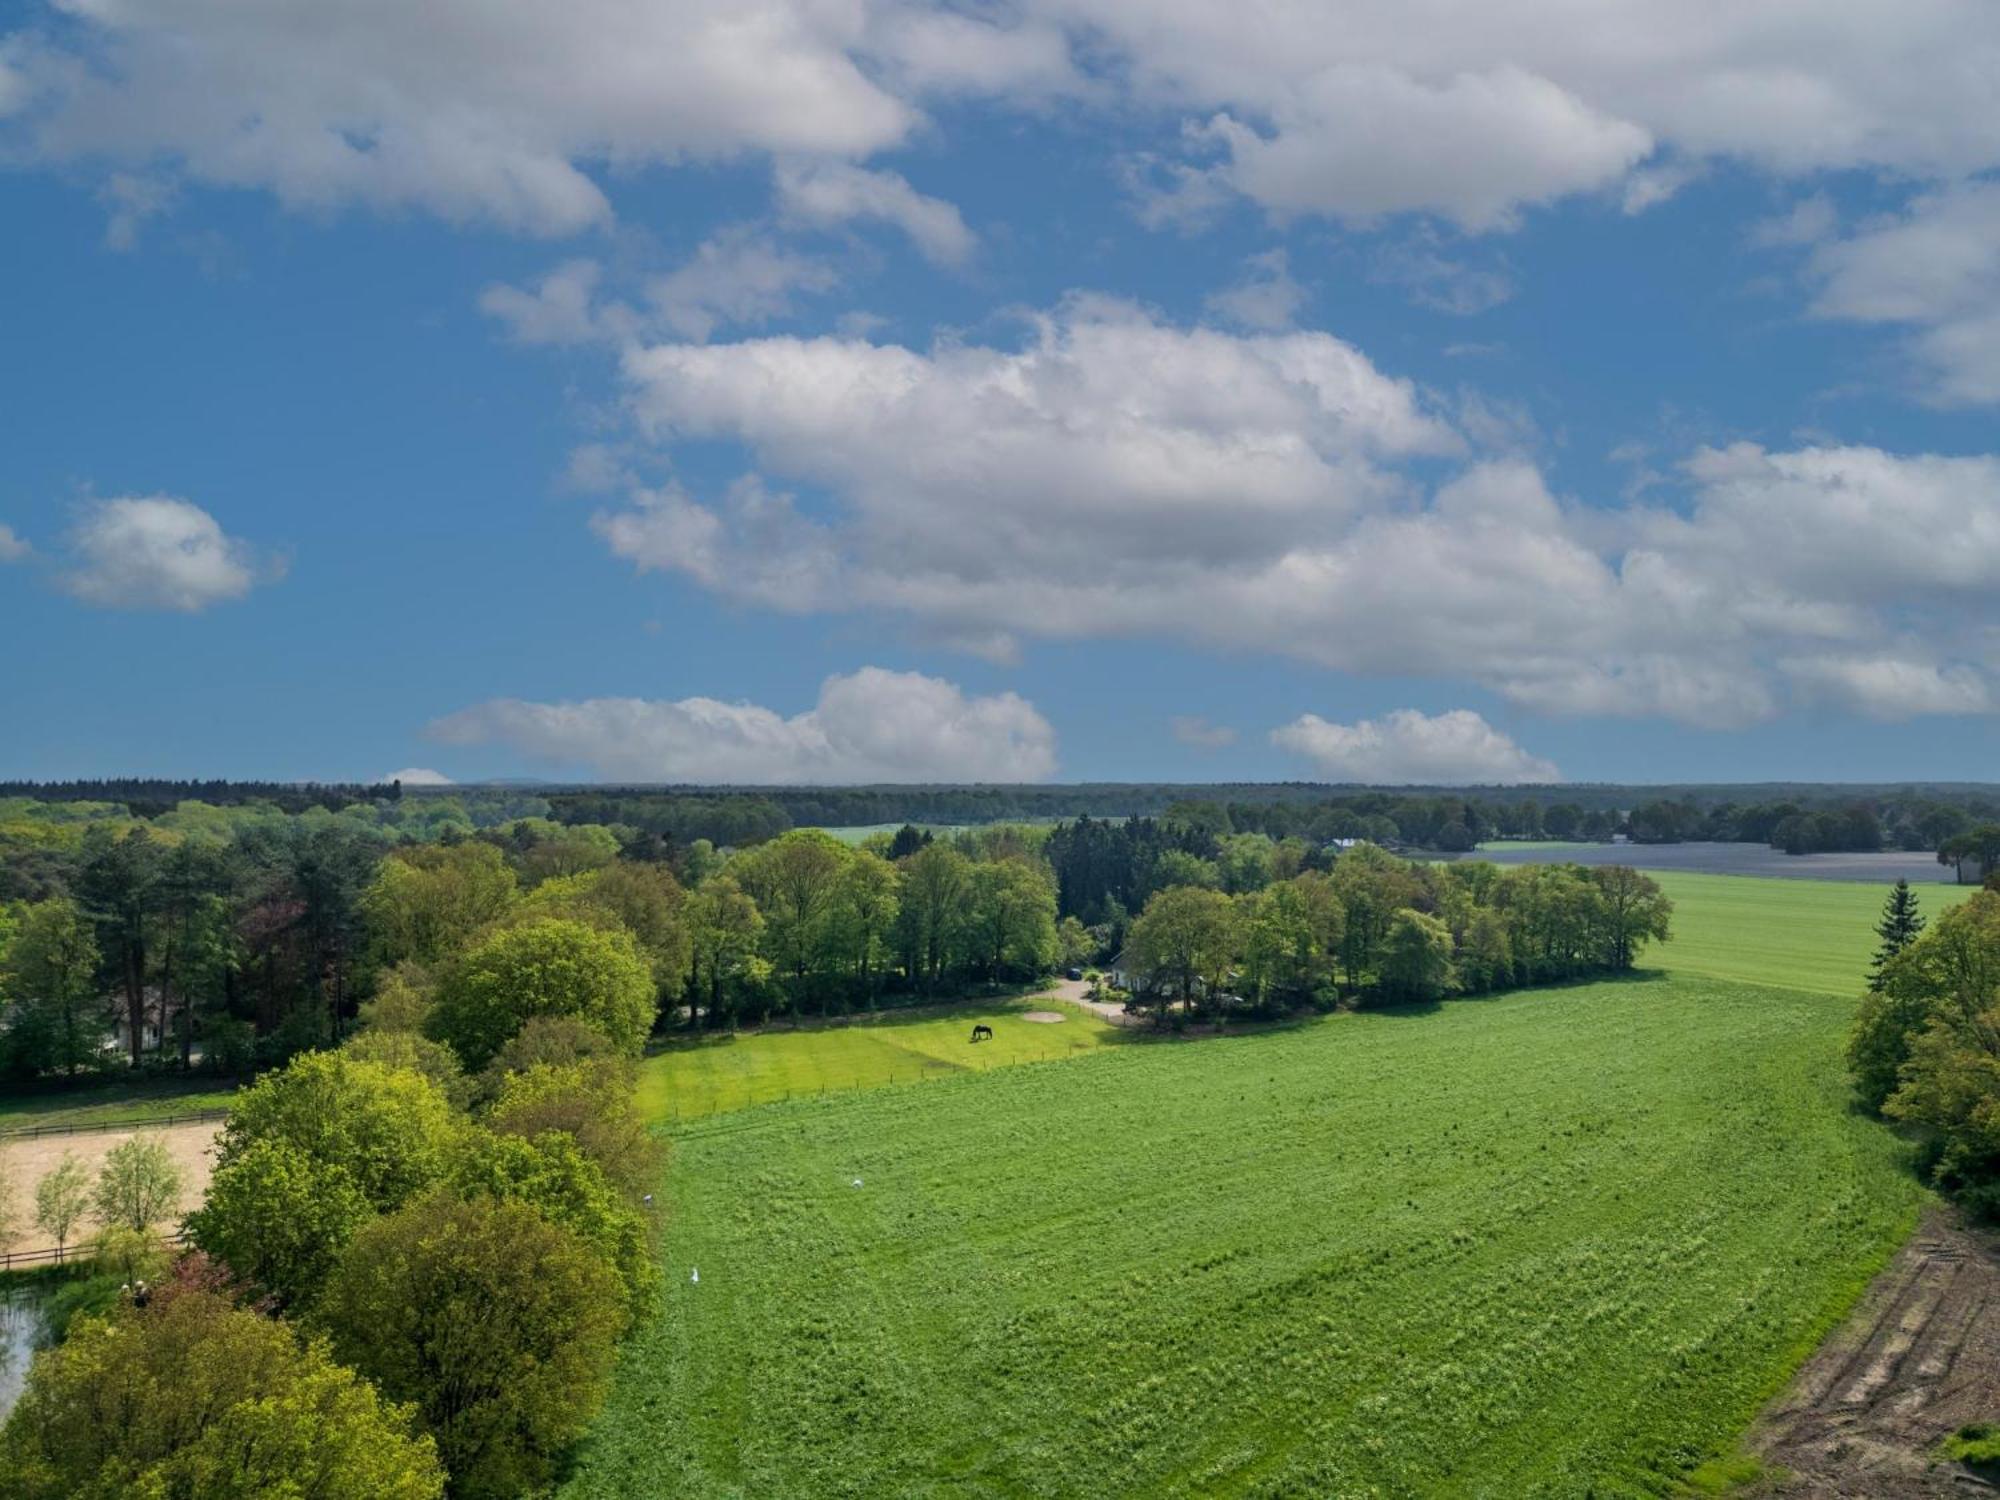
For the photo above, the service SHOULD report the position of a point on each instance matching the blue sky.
(1074, 389)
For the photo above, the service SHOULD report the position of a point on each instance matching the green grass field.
(1558, 1243)
(687, 1080)
(99, 1103)
(1816, 935)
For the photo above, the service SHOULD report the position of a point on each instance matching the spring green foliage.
(495, 1324)
(1186, 941)
(418, 1054)
(1532, 1245)
(280, 1218)
(62, 1198)
(591, 1103)
(690, 1079)
(1926, 1047)
(551, 1174)
(550, 967)
(389, 1131)
(138, 1184)
(192, 1396)
(49, 977)
(1416, 961)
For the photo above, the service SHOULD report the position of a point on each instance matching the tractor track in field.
(1919, 1357)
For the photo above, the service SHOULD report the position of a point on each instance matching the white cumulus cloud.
(830, 192)
(1406, 747)
(1119, 477)
(12, 547)
(516, 112)
(870, 725)
(158, 552)
(1935, 270)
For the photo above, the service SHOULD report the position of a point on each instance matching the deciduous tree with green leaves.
(193, 1396)
(1184, 941)
(55, 1011)
(550, 967)
(62, 1198)
(139, 1184)
(498, 1326)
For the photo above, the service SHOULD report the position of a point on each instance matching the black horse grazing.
(982, 1032)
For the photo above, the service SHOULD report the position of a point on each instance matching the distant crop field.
(688, 1080)
(1558, 1243)
(854, 833)
(1814, 935)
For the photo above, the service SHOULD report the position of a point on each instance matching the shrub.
(546, 968)
(194, 1396)
(496, 1324)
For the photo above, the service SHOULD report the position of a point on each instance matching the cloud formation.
(12, 548)
(1406, 747)
(1117, 476)
(510, 111)
(825, 193)
(1934, 270)
(871, 725)
(158, 552)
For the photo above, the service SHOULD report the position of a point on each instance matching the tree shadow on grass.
(1419, 1008)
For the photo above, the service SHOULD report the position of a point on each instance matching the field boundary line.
(93, 1127)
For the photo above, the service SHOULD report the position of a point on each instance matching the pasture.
(686, 1080)
(1555, 1243)
(1816, 935)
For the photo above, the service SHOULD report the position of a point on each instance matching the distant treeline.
(148, 797)
(1797, 819)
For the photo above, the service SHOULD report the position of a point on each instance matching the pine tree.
(1898, 928)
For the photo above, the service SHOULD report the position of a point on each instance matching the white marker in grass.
(696, 1275)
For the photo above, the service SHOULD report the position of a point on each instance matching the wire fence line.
(95, 1127)
(14, 1260)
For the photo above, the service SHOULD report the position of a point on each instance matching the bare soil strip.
(1919, 1358)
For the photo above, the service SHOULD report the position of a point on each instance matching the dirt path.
(1075, 991)
(1919, 1358)
(26, 1161)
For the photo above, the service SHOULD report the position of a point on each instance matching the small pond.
(24, 1326)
